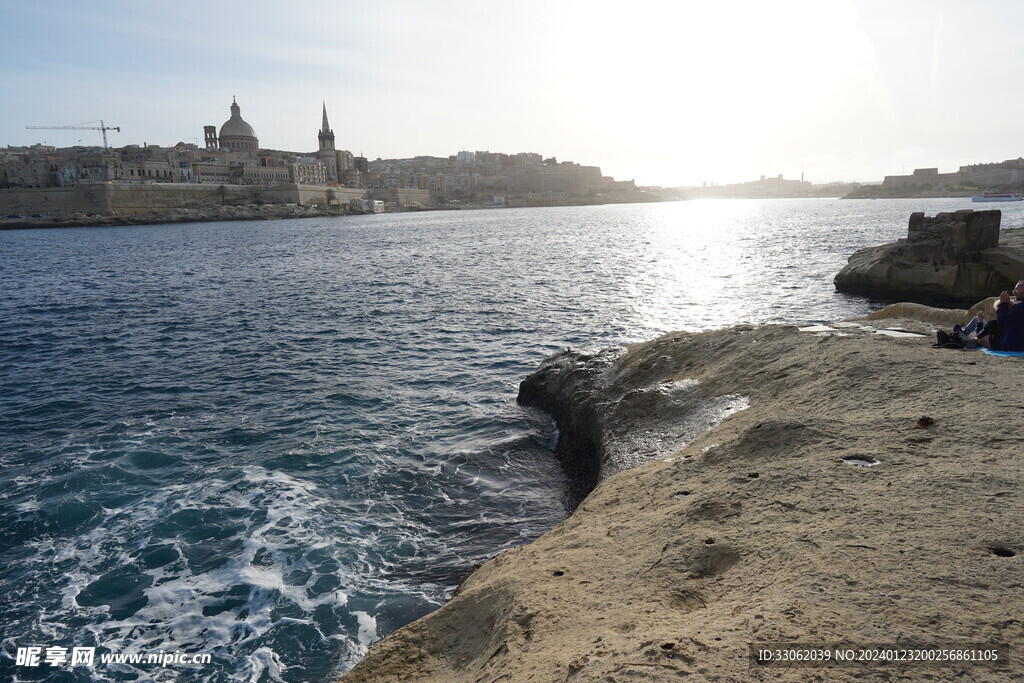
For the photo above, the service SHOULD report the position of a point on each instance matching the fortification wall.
(28, 200)
(403, 196)
(305, 195)
(131, 199)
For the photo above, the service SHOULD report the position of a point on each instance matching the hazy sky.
(672, 92)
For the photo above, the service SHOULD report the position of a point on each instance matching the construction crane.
(103, 127)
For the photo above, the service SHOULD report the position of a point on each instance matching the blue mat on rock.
(1002, 353)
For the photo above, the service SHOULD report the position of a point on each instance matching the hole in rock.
(1002, 551)
(709, 541)
(753, 475)
(860, 460)
(558, 573)
(681, 494)
(667, 646)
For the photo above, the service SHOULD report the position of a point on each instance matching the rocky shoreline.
(813, 504)
(248, 212)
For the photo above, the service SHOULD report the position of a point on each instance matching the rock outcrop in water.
(828, 511)
(949, 258)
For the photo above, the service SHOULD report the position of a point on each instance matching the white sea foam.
(367, 630)
(181, 608)
(30, 505)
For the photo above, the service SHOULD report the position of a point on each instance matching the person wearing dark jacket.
(1012, 319)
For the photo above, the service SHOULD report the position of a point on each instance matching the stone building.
(992, 175)
(249, 174)
(471, 175)
(310, 171)
(925, 178)
(211, 172)
(29, 172)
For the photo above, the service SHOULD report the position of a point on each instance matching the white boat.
(997, 197)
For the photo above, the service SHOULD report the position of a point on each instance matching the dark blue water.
(276, 442)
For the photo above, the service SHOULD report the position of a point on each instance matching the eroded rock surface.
(612, 416)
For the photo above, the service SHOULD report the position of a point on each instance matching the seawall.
(250, 212)
(817, 508)
(126, 199)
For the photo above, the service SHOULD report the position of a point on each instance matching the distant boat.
(997, 197)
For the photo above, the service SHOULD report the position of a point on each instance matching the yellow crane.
(103, 127)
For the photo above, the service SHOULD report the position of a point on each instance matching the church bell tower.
(327, 154)
(326, 134)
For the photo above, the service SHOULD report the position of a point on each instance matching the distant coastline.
(107, 204)
(879, 192)
(252, 212)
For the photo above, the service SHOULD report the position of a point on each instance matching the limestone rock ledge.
(957, 257)
(822, 513)
(612, 417)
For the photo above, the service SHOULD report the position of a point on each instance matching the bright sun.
(718, 81)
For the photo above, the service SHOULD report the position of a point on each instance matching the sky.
(667, 93)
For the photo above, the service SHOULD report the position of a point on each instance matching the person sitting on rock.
(977, 323)
(1007, 317)
(990, 336)
(962, 335)
(1011, 318)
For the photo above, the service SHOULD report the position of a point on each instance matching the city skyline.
(668, 94)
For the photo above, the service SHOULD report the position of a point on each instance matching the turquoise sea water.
(276, 442)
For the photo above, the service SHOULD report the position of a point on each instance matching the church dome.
(236, 128)
(236, 134)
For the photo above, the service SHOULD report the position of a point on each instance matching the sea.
(272, 443)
